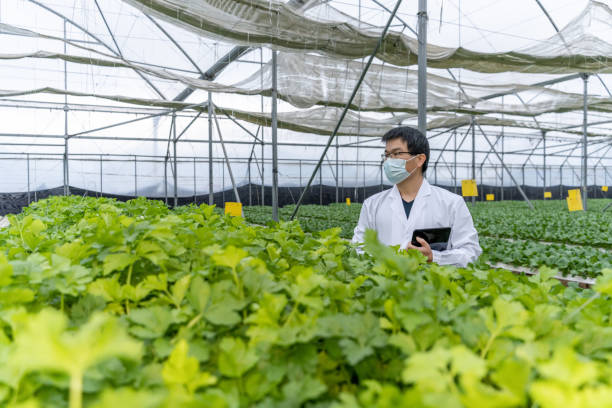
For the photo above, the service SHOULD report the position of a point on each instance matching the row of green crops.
(130, 304)
(509, 232)
(549, 222)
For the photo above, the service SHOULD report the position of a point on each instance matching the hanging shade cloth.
(320, 120)
(271, 23)
(306, 80)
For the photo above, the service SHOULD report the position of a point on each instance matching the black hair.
(416, 141)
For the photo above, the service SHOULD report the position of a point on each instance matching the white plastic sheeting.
(272, 23)
(307, 80)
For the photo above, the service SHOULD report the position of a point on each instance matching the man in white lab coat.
(413, 203)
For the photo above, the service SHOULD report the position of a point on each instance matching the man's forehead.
(395, 144)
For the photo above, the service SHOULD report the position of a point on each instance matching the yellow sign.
(468, 188)
(348, 201)
(574, 200)
(490, 197)
(547, 194)
(573, 193)
(604, 189)
(233, 209)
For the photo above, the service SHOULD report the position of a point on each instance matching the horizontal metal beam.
(543, 83)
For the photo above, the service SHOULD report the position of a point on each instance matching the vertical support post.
(174, 141)
(195, 200)
(263, 140)
(585, 81)
(455, 165)
(211, 194)
(422, 70)
(274, 139)
(263, 179)
(474, 156)
(135, 177)
(300, 163)
(544, 160)
(502, 153)
(435, 174)
(166, 179)
(337, 181)
(249, 176)
(342, 180)
(66, 169)
(28, 165)
(561, 182)
(100, 175)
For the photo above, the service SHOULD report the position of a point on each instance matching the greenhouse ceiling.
(98, 72)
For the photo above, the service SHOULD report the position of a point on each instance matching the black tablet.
(437, 238)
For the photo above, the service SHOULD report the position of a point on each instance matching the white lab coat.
(433, 207)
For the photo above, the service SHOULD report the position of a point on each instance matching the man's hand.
(425, 249)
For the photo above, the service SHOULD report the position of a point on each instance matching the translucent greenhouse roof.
(106, 75)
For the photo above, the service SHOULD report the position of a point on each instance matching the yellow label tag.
(604, 188)
(468, 188)
(547, 194)
(490, 197)
(573, 193)
(574, 200)
(348, 201)
(233, 209)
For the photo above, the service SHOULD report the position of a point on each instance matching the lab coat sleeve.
(464, 246)
(363, 224)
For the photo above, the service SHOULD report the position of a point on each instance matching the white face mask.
(395, 170)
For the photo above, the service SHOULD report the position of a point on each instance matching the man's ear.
(421, 160)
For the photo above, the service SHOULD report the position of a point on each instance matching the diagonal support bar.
(346, 108)
(504, 165)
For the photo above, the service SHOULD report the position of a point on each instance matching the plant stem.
(485, 350)
(129, 275)
(76, 390)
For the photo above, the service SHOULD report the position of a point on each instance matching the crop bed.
(130, 304)
(576, 244)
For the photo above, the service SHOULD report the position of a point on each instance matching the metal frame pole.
(455, 164)
(422, 68)
(174, 141)
(135, 177)
(65, 166)
(100, 175)
(274, 138)
(227, 161)
(211, 195)
(505, 167)
(28, 171)
(263, 140)
(346, 108)
(585, 81)
(194, 182)
(474, 157)
(249, 177)
(544, 161)
(502, 152)
(337, 181)
(166, 179)
(560, 182)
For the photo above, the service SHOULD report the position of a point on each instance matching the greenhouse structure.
(152, 98)
(305, 203)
